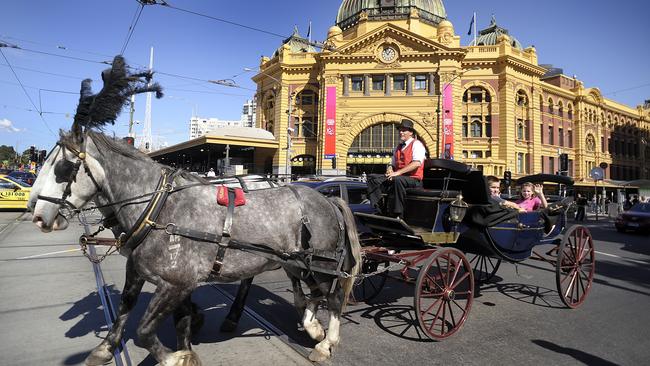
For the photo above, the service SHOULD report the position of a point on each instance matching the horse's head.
(69, 178)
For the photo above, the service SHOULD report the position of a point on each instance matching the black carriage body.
(487, 228)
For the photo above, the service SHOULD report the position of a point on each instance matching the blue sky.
(604, 43)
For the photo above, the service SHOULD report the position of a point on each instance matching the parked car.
(14, 193)
(637, 218)
(354, 192)
(26, 177)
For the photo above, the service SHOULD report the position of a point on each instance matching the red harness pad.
(222, 196)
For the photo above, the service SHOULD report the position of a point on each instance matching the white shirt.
(419, 152)
(211, 173)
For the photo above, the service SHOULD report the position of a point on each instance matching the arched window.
(570, 111)
(541, 104)
(306, 114)
(560, 109)
(475, 129)
(521, 130)
(590, 143)
(376, 139)
(550, 105)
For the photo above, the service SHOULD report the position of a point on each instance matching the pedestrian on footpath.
(581, 203)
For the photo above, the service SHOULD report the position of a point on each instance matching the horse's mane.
(119, 146)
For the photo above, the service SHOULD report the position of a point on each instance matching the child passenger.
(495, 194)
(532, 197)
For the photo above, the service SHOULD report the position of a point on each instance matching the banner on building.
(330, 122)
(448, 122)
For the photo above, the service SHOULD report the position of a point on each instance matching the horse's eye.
(63, 171)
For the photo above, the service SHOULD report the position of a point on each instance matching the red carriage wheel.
(367, 288)
(484, 267)
(444, 293)
(576, 263)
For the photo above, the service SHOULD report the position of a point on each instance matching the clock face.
(388, 54)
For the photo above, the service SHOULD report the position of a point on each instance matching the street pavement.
(51, 314)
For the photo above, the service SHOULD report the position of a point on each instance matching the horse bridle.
(66, 171)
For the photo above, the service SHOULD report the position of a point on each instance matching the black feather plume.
(97, 110)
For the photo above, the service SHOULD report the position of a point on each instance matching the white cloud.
(7, 125)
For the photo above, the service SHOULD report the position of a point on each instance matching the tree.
(7, 153)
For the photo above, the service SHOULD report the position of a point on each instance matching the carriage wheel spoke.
(451, 315)
(433, 281)
(453, 279)
(455, 284)
(571, 283)
(433, 321)
(427, 311)
(444, 319)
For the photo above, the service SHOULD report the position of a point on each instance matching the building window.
(570, 138)
(376, 139)
(550, 106)
(560, 136)
(476, 128)
(357, 83)
(306, 97)
(399, 82)
(520, 129)
(551, 165)
(522, 98)
(541, 133)
(465, 154)
(570, 113)
(550, 135)
(420, 82)
(309, 127)
(476, 154)
(377, 82)
(520, 163)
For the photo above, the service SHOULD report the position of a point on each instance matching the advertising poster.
(330, 122)
(448, 122)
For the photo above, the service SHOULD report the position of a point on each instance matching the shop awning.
(607, 183)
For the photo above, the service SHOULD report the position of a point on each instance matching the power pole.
(132, 110)
(146, 130)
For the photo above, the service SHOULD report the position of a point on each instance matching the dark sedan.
(351, 191)
(637, 218)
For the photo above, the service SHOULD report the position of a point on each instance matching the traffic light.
(41, 156)
(32, 153)
(564, 163)
(129, 140)
(507, 178)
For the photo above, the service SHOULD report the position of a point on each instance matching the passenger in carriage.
(532, 197)
(405, 171)
(494, 184)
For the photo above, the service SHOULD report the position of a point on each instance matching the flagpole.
(474, 29)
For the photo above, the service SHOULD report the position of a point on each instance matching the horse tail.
(354, 247)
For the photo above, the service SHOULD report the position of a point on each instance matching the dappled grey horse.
(176, 248)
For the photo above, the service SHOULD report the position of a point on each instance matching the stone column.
(387, 84)
(432, 83)
(366, 85)
(409, 84)
(346, 85)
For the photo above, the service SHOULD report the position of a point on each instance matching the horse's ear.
(77, 132)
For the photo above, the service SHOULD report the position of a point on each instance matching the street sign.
(597, 173)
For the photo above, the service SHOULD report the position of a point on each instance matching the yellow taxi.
(13, 193)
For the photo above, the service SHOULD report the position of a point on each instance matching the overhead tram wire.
(134, 22)
(40, 113)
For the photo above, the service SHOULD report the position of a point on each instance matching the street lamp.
(441, 154)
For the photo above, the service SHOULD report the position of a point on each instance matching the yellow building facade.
(334, 111)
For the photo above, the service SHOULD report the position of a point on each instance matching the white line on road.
(46, 254)
(616, 256)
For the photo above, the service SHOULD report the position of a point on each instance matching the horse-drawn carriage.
(451, 217)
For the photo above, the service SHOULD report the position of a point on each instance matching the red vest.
(404, 158)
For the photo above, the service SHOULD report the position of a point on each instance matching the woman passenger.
(532, 197)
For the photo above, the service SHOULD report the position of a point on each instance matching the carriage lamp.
(457, 209)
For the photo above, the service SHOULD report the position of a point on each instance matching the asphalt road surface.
(50, 312)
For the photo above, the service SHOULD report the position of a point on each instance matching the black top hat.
(408, 124)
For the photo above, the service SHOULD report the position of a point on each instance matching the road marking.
(46, 254)
(616, 256)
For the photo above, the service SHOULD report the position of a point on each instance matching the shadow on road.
(586, 358)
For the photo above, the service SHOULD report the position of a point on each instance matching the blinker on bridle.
(66, 171)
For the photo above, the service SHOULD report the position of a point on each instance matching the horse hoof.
(320, 353)
(228, 326)
(100, 355)
(182, 358)
(197, 322)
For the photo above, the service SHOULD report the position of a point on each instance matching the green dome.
(431, 11)
(490, 36)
